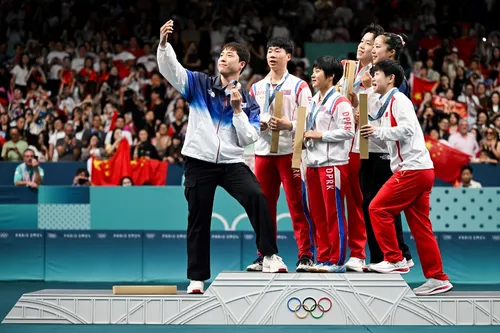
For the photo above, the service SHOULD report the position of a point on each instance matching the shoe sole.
(254, 270)
(436, 291)
(325, 271)
(392, 271)
(196, 292)
(302, 270)
(280, 270)
(355, 269)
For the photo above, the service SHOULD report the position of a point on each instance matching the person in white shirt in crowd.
(274, 169)
(148, 59)
(464, 140)
(58, 134)
(472, 102)
(410, 186)
(78, 63)
(20, 74)
(328, 141)
(466, 180)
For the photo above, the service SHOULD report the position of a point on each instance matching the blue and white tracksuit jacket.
(214, 134)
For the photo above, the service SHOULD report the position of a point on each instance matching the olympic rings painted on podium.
(310, 308)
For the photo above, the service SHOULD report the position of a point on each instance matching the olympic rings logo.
(309, 305)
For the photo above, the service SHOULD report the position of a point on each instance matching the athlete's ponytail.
(395, 42)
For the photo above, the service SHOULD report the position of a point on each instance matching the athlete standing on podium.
(222, 121)
(354, 196)
(328, 139)
(409, 189)
(376, 170)
(274, 169)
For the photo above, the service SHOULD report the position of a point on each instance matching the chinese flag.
(140, 171)
(149, 172)
(158, 172)
(447, 160)
(110, 172)
(419, 88)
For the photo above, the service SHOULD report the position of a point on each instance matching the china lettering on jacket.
(330, 179)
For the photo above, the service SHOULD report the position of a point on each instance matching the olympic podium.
(241, 298)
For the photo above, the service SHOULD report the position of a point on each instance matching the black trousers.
(201, 181)
(373, 174)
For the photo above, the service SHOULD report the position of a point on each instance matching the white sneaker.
(410, 263)
(196, 287)
(328, 267)
(433, 287)
(273, 264)
(355, 264)
(256, 266)
(386, 267)
(304, 264)
(315, 268)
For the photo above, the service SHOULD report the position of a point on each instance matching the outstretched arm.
(168, 64)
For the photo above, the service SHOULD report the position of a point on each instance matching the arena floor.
(10, 292)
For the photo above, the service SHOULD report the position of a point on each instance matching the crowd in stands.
(79, 76)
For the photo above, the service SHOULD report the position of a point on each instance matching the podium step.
(241, 298)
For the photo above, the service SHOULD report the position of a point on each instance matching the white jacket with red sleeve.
(296, 93)
(335, 120)
(400, 130)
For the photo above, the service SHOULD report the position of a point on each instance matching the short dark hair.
(281, 42)
(395, 42)
(241, 50)
(331, 66)
(84, 170)
(375, 29)
(391, 67)
(467, 167)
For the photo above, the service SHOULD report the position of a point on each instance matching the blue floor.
(10, 292)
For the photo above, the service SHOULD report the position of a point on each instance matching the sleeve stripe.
(303, 85)
(338, 101)
(297, 86)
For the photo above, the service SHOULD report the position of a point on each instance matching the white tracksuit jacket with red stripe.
(400, 130)
(335, 120)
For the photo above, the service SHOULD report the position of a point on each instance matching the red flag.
(447, 160)
(449, 106)
(158, 171)
(141, 172)
(419, 88)
(112, 171)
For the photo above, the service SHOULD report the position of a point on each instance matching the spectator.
(444, 128)
(323, 33)
(68, 148)
(93, 149)
(20, 74)
(494, 104)
(126, 181)
(463, 140)
(179, 125)
(491, 145)
(114, 142)
(454, 118)
(144, 148)
(54, 138)
(162, 140)
(29, 173)
(192, 59)
(95, 130)
(472, 103)
(158, 105)
(13, 149)
(174, 154)
(466, 178)
(82, 178)
(120, 124)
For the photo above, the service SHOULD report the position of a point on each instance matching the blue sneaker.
(315, 268)
(328, 267)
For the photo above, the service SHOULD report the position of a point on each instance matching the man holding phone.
(29, 173)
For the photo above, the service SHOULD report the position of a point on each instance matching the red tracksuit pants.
(326, 193)
(408, 191)
(271, 172)
(356, 235)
